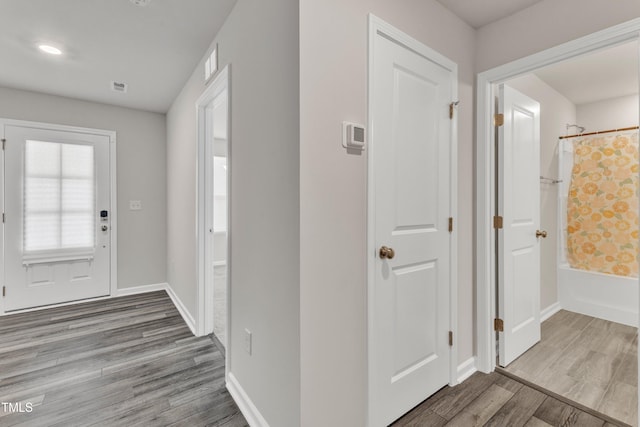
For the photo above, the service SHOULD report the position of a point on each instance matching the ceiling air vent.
(119, 87)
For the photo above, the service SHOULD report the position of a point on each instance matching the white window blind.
(59, 196)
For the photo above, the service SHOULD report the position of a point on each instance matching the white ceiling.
(478, 13)
(154, 49)
(606, 74)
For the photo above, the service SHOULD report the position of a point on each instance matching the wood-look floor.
(497, 401)
(128, 361)
(590, 361)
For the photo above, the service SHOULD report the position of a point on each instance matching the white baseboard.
(550, 311)
(142, 289)
(182, 309)
(466, 369)
(248, 409)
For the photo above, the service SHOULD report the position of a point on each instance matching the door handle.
(540, 234)
(105, 227)
(386, 252)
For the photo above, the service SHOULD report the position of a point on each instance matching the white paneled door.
(519, 204)
(411, 143)
(57, 216)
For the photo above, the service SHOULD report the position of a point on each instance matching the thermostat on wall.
(353, 136)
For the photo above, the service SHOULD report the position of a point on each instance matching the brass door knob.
(542, 234)
(386, 252)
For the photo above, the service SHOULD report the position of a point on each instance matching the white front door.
(519, 205)
(411, 144)
(57, 216)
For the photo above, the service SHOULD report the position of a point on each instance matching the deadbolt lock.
(386, 252)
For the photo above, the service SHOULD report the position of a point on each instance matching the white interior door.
(519, 204)
(57, 224)
(216, 151)
(411, 160)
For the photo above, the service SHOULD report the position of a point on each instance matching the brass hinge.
(4, 291)
(450, 225)
(452, 107)
(498, 119)
(497, 222)
(498, 325)
(450, 339)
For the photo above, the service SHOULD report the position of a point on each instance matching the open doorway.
(586, 201)
(213, 209)
(573, 329)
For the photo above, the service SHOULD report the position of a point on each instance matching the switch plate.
(247, 341)
(135, 205)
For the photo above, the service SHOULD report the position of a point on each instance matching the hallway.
(123, 361)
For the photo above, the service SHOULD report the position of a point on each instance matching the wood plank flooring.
(590, 361)
(497, 401)
(128, 361)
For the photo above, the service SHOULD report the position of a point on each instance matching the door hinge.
(450, 225)
(498, 325)
(4, 291)
(3, 217)
(452, 108)
(450, 339)
(498, 119)
(4, 142)
(497, 222)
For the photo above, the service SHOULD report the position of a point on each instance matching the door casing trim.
(485, 180)
(378, 26)
(113, 199)
(221, 82)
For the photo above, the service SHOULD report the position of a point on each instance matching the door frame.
(204, 317)
(378, 26)
(485, 164)
(113, 201)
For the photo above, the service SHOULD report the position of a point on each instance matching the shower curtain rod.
(599, 132)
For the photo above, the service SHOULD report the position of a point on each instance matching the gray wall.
(141, 174)
(260, 41)
(612, 113)
(333, 188)
(547, 24)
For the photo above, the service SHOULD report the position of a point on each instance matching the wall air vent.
(119, 87)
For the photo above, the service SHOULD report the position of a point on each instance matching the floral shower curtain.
(602, 208)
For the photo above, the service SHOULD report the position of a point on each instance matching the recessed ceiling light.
(50, 49)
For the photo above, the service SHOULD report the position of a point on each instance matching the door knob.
(542, 234)
(386, 252)
(105, 227)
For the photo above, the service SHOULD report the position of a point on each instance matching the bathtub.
(605, 296)
(600, 295)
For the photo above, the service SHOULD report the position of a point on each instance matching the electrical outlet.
(247, 341)
(135, 205)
